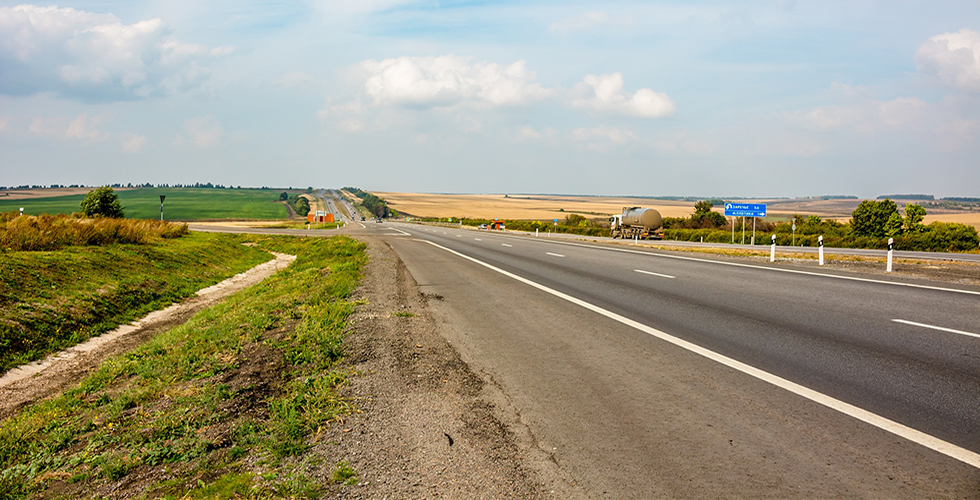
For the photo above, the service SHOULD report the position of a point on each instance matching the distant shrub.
(51, 232)
(102, 202)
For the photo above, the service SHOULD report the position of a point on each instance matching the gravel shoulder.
(427, 426)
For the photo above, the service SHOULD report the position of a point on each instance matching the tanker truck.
(637, 222)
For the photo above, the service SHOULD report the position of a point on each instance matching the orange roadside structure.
(310, 217)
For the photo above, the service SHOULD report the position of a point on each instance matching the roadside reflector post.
(891, 249)
(535, 232)
(772, 251)
(22, 210)
(820, 250)
(162, 197)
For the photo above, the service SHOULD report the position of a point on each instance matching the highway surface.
(647, 374)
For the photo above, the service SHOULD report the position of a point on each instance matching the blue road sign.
(745, 210)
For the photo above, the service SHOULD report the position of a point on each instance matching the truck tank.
(647, 218)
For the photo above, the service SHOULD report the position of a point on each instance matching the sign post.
(772, 251)
(891, 247)
(744, 210)
(794, 231)
(820, 251)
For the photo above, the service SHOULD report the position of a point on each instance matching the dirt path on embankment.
(41, 379)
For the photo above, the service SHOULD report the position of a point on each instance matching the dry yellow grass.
(968, 218)
(541, 207)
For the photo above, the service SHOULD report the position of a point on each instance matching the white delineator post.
(820, 251)
(535, 232)
(772, 251)
(891, 243)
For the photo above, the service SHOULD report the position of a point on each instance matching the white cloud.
(132, 143)
(589, 21)
(79, 128)
(295, 80)
(954, 58)
(352, 125)
(604, 94)
(95, 56)
(528, 133)
(5, 124)
(601, 138)
(449, 80)
(868, 116)
(683, 141)
(203, 131)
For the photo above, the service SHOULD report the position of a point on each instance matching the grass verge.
(224, 406)
(50, 300)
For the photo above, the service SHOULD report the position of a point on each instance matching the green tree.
(870, 217)
(284, 196)
(913, 217)
(102, 202)
(893, 226)
(704, 217)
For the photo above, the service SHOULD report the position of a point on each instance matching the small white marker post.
(891, 244)
(22, 210)
(535, 232)
(820, 251)
(772, 251)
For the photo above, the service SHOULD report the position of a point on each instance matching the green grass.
(180, 404)
(53, 299)
(181, 204)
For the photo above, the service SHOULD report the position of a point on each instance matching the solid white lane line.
(477, 239)
(950, 330)
(655, 274)
(506, 245)
(765, 268)
(931, 442)
(554, 254)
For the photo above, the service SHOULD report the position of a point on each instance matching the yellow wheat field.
(544, 207)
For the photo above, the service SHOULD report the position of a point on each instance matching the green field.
(184, 204)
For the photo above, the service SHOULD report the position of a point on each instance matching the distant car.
(483, 226)
(378, 219)
(362, 218)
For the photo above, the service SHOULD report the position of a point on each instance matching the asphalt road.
(647, 374)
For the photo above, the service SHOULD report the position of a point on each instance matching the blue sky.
(741, 98)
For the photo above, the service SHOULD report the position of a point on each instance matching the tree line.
(374, 204)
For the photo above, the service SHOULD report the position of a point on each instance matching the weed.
(403, 314)
(52, 232)
(343, 473)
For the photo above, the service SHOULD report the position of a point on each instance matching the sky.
(705, 98)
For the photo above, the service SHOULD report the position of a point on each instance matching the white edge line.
(655, 274)
(506, 245)
(931, 442)
(950, 330)
(554, 254)
(751, 266)
(403, 233)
